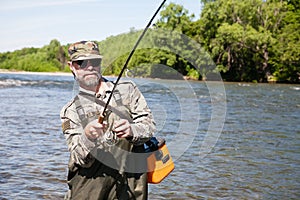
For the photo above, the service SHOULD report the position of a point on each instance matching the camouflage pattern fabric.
(84, 50)
(89, 177)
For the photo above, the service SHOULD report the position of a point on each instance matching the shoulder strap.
(117, 97)
(79, 108)
(80, 111)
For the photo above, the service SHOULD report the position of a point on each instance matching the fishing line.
(101, 118)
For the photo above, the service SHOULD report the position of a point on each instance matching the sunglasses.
(85, 63)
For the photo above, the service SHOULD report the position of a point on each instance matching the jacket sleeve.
(143, 126)
(79, 146)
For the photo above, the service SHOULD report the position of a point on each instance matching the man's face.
(87, 72)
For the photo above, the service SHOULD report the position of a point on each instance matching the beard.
(89, 80)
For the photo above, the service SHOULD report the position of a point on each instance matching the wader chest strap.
(80, 111)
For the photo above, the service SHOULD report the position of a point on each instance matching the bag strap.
(102, 103)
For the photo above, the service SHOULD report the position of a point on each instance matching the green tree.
(241, 36)
(286, 59)
(174, 18)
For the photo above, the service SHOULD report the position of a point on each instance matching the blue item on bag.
(151, 145)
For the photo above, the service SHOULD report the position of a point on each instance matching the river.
(228, 141)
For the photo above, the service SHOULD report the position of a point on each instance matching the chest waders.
(106, 177)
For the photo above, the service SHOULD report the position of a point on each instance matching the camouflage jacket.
(133, 105)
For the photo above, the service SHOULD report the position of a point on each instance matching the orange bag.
(160, 163)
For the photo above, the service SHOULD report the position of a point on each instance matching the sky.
(34, 23)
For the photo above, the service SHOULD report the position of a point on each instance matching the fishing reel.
(109, 137)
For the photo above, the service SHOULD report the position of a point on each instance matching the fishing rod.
(102, 116)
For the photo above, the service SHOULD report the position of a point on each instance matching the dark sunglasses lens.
(95, 62)
(79, 62)
(83, 63)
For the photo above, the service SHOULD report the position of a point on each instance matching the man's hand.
(94, 130)
(122, 128)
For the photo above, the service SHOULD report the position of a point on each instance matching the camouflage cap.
(84, 50)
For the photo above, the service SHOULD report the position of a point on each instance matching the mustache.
(93, 73)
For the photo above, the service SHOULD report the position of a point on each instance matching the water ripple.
(256, 156)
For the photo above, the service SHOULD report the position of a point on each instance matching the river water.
(231, 141)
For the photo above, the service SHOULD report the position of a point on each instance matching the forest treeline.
(242, 40)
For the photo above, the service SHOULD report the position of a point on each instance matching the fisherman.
(100, 165)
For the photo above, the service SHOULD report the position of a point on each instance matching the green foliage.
(252, 40)
(255, 41)
(176, 18)
(115, 50)
(49, 58)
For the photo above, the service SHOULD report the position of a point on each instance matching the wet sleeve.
(143, 126)
(79, 146)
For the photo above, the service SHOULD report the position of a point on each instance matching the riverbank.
(5, 71)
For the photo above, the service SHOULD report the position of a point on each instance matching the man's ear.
(72, 68)
(70, 65)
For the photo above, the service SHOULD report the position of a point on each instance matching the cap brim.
(87, 57)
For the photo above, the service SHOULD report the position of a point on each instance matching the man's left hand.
(122, 128)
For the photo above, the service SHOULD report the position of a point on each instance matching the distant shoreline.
(5, 71)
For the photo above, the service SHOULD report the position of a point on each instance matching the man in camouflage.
(101, 164)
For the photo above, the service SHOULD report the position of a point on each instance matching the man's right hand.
(94, 129)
